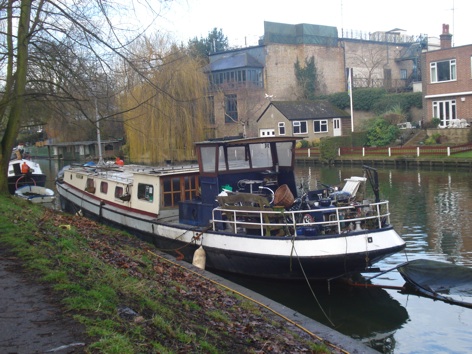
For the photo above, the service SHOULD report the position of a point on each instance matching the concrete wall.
(454, 136)
(280, 79)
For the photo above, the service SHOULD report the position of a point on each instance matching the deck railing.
(356, 217)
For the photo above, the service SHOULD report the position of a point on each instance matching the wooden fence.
(407, 151)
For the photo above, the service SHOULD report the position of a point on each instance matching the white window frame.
(281, 127)
(434, 70)
(445, 110)
(323, 124)
(300, 124)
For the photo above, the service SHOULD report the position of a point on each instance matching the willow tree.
(168, 109)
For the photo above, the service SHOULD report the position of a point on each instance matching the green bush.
(365, 98)
(435, 122)
(404, 100)
(434, 139)
(339, 99)
(328, 150)
(381, 133)
(375, 100)
(304, 143)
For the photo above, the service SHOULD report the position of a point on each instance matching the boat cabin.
(253, 165)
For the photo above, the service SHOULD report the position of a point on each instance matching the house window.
(267, 132)
(403, 74)
(443, 70)
(281, 128)
(445, 111)
(231, 109)
(252, 76)
(299, 127)
(320, 126)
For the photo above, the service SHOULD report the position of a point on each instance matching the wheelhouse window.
(284, 153)
(261, 155)
(320, 126)
(145, 192)
(103, 187)
(238, 158)
(443, 70)
(231, 108)
(178, 188)
(221, 159)
(299, 127)
(445, 111)
(208, 158)
(281, 126)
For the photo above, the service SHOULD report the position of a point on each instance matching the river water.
(431, 210)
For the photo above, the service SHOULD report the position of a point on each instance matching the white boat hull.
(36, 194)
(319, 257)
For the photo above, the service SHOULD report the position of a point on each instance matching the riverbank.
(117, 294)
(407, 162)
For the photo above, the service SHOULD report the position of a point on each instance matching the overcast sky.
(242, 21)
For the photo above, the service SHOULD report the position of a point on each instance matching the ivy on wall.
(307, 78)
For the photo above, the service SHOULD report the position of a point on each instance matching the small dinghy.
(36, 194)
(447, 282)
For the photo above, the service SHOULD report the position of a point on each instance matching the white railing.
(357, 217)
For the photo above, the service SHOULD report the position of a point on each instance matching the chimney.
(445, 37)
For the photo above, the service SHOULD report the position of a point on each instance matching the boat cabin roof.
(247, 141)
(223, 156)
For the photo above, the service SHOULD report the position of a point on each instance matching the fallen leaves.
(197, 307)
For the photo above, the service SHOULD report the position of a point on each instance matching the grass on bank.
(131, 301)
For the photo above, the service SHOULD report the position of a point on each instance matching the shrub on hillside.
(404, 100)
(381, 133)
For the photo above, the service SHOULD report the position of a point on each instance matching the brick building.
(447, 84)
(243, 82)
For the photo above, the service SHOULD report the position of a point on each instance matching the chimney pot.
(445, 37)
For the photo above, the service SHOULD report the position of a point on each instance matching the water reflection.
(431, 210)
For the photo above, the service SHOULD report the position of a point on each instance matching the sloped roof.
(305, 110)
(235, 61)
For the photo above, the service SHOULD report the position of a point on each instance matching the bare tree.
(60, 53)
(368, 65)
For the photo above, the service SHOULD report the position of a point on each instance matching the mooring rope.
(309, 285)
